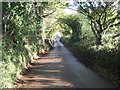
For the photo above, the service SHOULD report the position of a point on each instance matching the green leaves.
(102, 16)
(20, 20)
(74, 22)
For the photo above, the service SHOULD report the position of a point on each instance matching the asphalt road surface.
(60, 69)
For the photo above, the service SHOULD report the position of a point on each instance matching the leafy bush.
(22, 37)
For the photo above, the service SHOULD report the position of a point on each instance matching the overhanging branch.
(116, 35)
(48, 14)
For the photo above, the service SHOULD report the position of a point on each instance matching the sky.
(70, 11)
(72, 6)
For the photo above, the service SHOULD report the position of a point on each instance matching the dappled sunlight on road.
(46, 72)
(43, 81)
(60, 69)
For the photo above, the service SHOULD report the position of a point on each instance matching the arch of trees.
(28, 29)
(103, 17)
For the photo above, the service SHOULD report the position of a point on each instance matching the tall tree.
(102, 16)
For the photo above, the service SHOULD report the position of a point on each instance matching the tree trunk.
(97, 33)
(99, 40)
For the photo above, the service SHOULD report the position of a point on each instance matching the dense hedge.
(22, 24)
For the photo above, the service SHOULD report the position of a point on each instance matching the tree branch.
(116, 35)
(110, 21)
(48, 14)
(93, 8)
(115, 24)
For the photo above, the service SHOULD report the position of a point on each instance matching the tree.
(22, 24)
(74, 22)
(102, 16)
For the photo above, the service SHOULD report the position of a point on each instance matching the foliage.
(75, 24)
(105, 58)
(30, 28)
(23, 36)
(102, 15)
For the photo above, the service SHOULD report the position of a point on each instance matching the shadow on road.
(59, 69)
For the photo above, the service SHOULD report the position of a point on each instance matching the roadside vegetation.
(25, 35)
(93, 33)
(29, 30)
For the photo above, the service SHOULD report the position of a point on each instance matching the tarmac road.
(60, 69)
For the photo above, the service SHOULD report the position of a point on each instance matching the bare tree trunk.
(97, 33)
(99, 40)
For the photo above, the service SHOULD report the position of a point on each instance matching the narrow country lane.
(60, 69)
